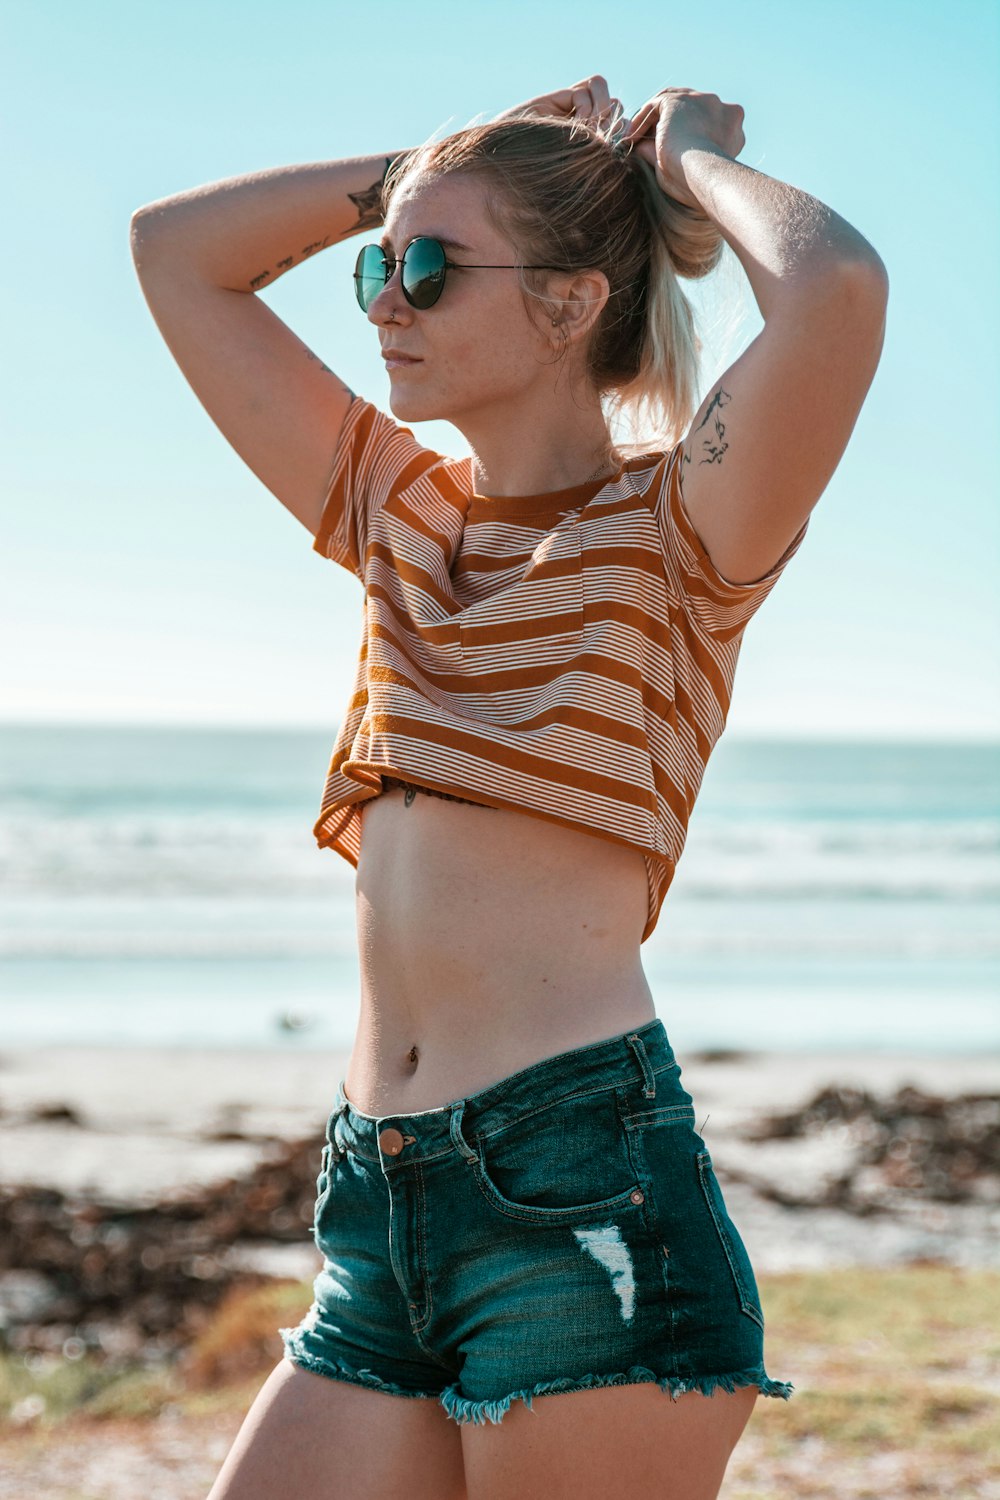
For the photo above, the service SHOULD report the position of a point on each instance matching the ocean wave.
(221, 856)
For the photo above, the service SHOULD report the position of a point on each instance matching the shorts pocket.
(736, 1251)
(562, 1163)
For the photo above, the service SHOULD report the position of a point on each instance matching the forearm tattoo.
(369, 206)
(369, 203)
(286, 262)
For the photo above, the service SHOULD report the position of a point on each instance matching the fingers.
(591, 99)
(583, 106)
(600, 98)
(643, 119)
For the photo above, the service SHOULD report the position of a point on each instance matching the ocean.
(161, 886)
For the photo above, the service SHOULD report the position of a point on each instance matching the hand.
(588, 100)
(675, 119)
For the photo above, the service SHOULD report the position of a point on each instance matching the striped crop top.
(569, 655)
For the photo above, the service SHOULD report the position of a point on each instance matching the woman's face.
(477, 346)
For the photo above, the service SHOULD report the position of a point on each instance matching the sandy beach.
(133, 1125)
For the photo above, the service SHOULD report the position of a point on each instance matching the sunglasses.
(425, 266)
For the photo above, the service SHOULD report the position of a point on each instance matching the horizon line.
(989, 739)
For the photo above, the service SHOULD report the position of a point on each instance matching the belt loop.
(455, 1129)
(339, 1150)
(635, 1042)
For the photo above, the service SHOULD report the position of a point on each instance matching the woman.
(525, 1245)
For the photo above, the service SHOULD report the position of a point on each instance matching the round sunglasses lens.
(423, 272)
(369, 275)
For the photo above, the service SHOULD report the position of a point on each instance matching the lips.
(392, 355)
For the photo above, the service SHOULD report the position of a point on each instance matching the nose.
(387, 306)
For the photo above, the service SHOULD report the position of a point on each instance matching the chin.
(410, 406)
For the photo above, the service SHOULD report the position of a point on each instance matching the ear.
(578, 301)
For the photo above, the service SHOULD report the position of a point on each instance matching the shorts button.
(637, 1196)
(391, 1141)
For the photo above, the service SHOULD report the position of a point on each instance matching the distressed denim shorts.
(560, 1230)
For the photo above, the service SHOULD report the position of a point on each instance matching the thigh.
(309, 1437)
(615, 1440)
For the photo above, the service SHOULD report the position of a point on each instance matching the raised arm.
(201, 255)
(769, 435)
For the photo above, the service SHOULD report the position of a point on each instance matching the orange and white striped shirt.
(568, 655)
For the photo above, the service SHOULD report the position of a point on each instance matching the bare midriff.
(488, 940)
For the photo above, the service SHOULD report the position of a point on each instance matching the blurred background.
(178, 658)
(178, 966)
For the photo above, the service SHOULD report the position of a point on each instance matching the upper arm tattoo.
(713, 444)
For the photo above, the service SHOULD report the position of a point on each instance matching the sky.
(146, 574)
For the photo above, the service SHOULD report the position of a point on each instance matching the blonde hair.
(562, 193)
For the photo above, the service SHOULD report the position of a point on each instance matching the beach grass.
(896, 1373)
(897, 1386)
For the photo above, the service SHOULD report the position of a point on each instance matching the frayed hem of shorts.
(335, 1369)
(462, 1410)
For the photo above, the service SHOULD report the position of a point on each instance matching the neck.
(531, 452)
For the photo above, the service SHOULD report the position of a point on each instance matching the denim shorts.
(560, 1230)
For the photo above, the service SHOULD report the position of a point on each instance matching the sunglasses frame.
(446, 266)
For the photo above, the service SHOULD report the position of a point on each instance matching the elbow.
(142, 236)
(870, 276)
(135, 235)
(137, 226)
(142, 221)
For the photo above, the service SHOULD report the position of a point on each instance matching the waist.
(445, 1011)
(409, 1057)
(487, 939)
(641, 1056)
